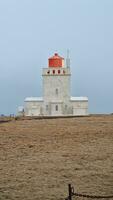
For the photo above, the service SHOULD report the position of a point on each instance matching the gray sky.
(32, 30)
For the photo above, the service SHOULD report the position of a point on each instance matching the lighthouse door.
(56, 109)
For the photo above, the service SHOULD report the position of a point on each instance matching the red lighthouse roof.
(56, 61)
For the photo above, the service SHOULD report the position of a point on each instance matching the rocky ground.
(38, 158)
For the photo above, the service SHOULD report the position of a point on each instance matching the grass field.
(38, 158)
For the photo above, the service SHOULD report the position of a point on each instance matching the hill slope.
(38, 158)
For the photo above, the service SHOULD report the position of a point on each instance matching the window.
(47, 107)
(65, 107)
(56, 107)
(53, 71)
(63, 71)
(59, 71)
(48, 72)
(56, 91)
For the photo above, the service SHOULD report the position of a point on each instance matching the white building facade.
(56, 100)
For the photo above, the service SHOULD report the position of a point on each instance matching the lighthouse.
(56, 86)
(56, 99)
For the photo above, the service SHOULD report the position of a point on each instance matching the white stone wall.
(56, 87)
(80, 107)
(56, 109)
(33, 108)
(56, 90)
(38, 108)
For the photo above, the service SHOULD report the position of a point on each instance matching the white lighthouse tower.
(56, 100)
(56, 87)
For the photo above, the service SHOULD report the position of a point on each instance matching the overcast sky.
(32, 30)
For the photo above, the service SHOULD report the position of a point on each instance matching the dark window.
(48, 72)
(56, 107)
(59, 71)
(47, 107)
(53, 71)
(56, 91)
(65, 107)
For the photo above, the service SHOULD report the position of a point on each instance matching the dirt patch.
(38, 158)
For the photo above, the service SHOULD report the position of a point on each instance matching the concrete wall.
(80, 107)
(33, 108)
(38, 108)
(56, 87)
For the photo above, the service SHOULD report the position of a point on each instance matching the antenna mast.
(68, 59)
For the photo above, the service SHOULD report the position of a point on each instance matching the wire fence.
(72, 194)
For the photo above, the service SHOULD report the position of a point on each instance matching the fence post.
(70, 191)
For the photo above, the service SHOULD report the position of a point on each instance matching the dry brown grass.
(38, 158)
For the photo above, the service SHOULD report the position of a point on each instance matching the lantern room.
(56, 61)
